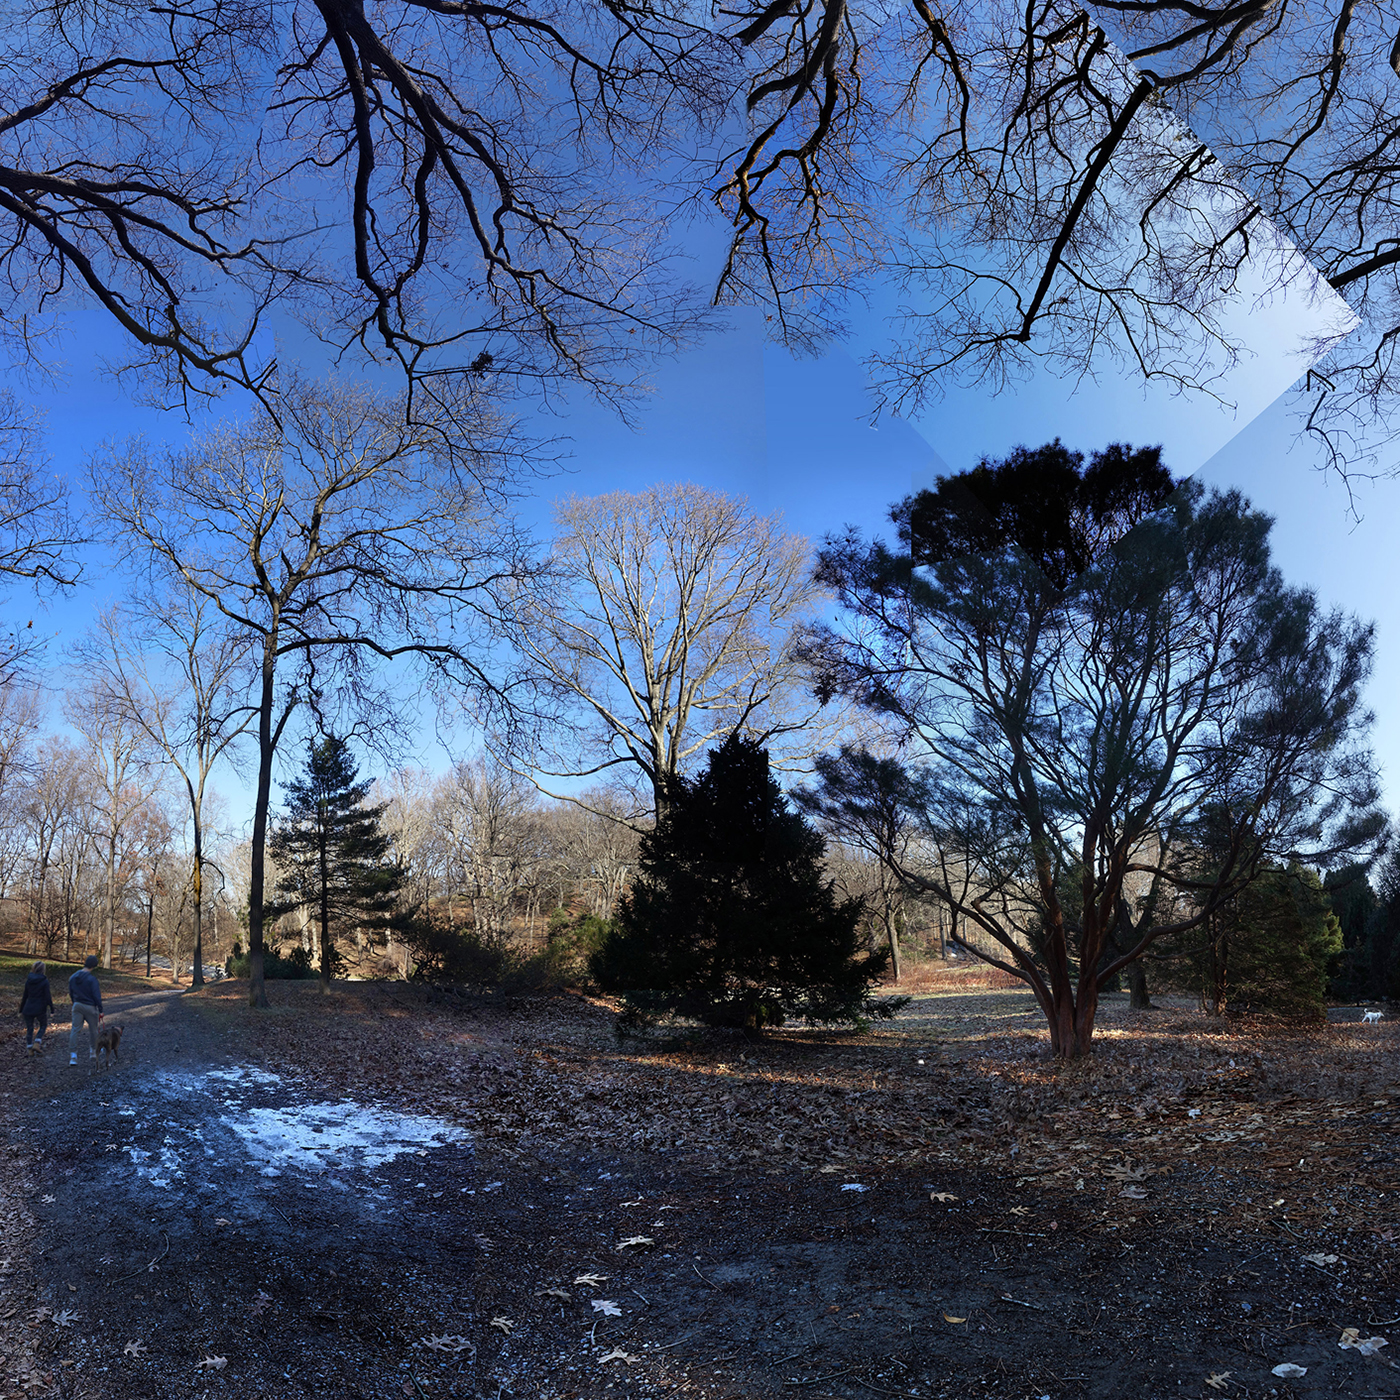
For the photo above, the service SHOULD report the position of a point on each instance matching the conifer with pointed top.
(732, 921)
(331, 855)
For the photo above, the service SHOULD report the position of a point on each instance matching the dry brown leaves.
(958, 1082)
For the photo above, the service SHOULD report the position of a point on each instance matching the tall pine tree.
(332, 858)
(730, 920)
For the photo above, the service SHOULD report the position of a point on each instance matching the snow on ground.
(256, 1115)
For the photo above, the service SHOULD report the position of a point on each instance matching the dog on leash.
(108, 1038)
(1371, 1016)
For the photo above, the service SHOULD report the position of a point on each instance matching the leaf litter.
(987, 1111)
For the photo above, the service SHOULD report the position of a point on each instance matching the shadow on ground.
(214, 1221)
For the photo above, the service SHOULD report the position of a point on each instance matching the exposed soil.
(391, 1192)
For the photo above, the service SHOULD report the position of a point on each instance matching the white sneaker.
(73, 1058)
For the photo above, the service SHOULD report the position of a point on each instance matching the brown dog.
(108, 1038)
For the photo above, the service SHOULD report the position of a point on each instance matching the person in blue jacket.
(87, 1007)
(35, 1005)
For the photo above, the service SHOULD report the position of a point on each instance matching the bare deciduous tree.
(443, 183)
(478, 190)
(56, 823)
(118, 755)
(489, 820)
(354, 530)
(20, 715)
(1080, 185)
(860, 801)
(662, 623)
(191, 704)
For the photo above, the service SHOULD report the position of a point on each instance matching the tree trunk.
(111, 903)
(323, 861)
(1138, 997)
(893, 935)
(198, 979)
(257, 988)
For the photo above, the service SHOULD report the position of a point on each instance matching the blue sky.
(796, 435)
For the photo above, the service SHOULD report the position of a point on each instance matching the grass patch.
(14, 968)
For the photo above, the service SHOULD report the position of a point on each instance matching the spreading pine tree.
(333, 860)
(730, 920)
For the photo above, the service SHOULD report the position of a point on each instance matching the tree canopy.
(484, 191)
(1077, 748)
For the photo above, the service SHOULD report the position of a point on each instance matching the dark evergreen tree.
(1362, 921)
(1271, 948)
(730, 921)
(1041, 499)
(331, 855)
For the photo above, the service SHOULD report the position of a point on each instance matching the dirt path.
(383, 1199)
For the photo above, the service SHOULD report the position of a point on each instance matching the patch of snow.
(160, 1169)
(313, 1136)
(246, 1074)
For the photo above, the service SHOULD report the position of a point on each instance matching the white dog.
(1371, 1016)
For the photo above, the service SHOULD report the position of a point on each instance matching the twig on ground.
(149, 1266)
(703, 1279)
(830, 1375)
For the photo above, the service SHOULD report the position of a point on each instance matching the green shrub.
(291, 967)
(444, 954)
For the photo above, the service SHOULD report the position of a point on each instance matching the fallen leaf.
(1134, 1193)
(1020, 1210)
(222, 1220)
(1288, 1371)
(1321, 1260)
(590, 1280)
(260, 1304)
(854, 1186)
(1219, 1380)
(636, 1242)
(47, 1200)
(947, 1318)
(66, 1318)
(942, 1196)
(554, 1293)
(607, 1306)
(502, 1324)
(134, 1348)
(1122, 1173)
(456, 1345)
(212, 1363)
(40, 1313)
(617, 1354)
(1352, 1340)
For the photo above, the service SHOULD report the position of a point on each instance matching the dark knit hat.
(90, 960)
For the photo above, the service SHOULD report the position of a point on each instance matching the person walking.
(35, 1005)
(87, 1007)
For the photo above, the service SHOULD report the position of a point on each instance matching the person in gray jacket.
(35, 1005)
(87, 1007)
